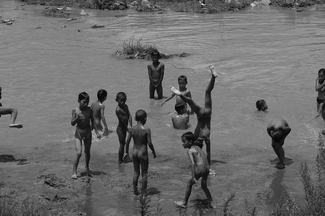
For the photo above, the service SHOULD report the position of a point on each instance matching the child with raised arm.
(124, 123)
(203, 114)
(199, 168)
(182, 82)
(181, 118)
(278, 129)
(320, 88)
(261, 105)
(156, 74)
(12, 111)
(82, 116)
(142, 139)
(99, 112)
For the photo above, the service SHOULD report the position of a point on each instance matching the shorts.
(319, 101)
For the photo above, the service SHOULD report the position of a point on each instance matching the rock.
(38, 27)
(64, 26)
(70, 19)
(83, 13)
(97, 26)
(79, 30)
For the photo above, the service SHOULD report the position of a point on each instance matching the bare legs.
(121, 138)
(144, 163)
(78, 145)
(14, 113)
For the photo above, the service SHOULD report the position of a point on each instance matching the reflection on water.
(266, 53)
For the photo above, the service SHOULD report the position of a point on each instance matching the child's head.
(120, 98)
(101, 95)
(83, 100)
(155, 55)
(141, 116)
(261, 105)
(180, 108)
(182, 82)
(321, 74)
(188, 139)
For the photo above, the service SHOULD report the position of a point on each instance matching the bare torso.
(156, 72)
(96, 107)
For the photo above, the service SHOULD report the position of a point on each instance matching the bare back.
(97, 114)
(141, 138)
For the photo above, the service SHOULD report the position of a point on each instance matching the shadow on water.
(277, 188)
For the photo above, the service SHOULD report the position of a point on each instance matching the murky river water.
(265, 52)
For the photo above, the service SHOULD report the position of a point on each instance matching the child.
(156, 74)
(181, 119)
(82, 116)
(278, 129)
(12, 111)
(124, 123)
(202, 130)
(182, 82)
(141, 138)
(199, 167)
(98, 112)
(319, 87)
(261, 105)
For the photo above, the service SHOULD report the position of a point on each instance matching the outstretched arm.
(168, 99)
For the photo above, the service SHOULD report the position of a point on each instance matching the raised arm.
(150, 143)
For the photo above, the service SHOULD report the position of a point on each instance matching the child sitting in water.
(261, 105)
(278, 129)
(199, 168)
(12, 111)
(181, 118)
(82, 116)
(99, 112)
(142, 138)
(182, 82)
(320, 88)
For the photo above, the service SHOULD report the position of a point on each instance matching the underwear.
(82, 134)
(320, 100)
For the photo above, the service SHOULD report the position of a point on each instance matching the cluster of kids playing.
(91, 118)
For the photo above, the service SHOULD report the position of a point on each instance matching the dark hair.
(259, 104)
(155, 53)
(179, 107)
(121, 94)
(83, 95)
(140, 115)
(322, 70)
(182, 77)
(101, 94)
(189, 136)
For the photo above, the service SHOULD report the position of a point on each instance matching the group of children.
(89, 118)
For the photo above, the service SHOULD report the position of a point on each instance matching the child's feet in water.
(175, 90)
(280, 166)
(213, 71)
(180, 204)
(88, 172)
(15, 125)
(74, 176)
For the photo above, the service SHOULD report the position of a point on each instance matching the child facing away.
(203, 114)
(278, 129)
(320, 88)
(182, 82)
(124, 123)
(12, 111)
(156, 74)
(99, 112)
(261, 105)
(82, 116)
(199, 168)
(142, 139)
(181, 118)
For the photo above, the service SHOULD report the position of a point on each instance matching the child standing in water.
(124, 123)
(82, 116)
(142, 139)
(182, 82)
(320, 88)
(156, 74)
(99, 112)
(278, 129)
(12, 111)
(199, 168)
(203, 114)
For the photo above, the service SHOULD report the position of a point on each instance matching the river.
(260, 53)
